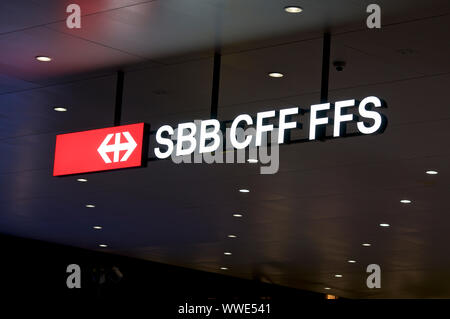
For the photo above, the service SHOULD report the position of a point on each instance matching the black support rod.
(325, 67)
(215, 85)
(119, 95)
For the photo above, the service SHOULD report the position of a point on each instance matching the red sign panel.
(99, 150)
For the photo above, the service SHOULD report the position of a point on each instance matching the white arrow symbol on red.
(117, 147)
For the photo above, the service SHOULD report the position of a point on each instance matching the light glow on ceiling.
(293, 9)
(42, 58)
(276, 75)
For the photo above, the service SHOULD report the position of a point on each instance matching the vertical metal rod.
(325, 67)
(119, 95)
(215, 85)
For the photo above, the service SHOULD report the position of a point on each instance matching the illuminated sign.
(368, 121)
(100, 150)
(125, 146)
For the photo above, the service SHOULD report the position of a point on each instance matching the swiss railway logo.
(99, 150)
(115, 148)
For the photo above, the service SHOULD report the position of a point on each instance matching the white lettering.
(378, 121)
(283, 125)
(190, 138)
(314, 121)
(339, 117)
(164, 141)
(260, 127)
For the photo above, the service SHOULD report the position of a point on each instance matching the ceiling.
(299, 226)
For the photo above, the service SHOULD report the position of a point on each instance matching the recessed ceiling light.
(90, 206)
(232, 236)
(223, 268)
(431, 172)
(327, 288)
(97, 227)
(82, 180)
(384, 225)
(352, 261)
(405, 201)
(42, 58)
(276, 75)
(60, 109)
(237, 215)
(293, 9)
(244, 190)
(367, 245)
(227, 253)
(252, 160)
(103, 245)
(338, 276)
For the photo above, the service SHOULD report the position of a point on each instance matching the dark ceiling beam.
(215, 85)
(119, 96)
(325, 67)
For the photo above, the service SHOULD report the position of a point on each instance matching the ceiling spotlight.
(82, 180)
(405, 201)
(244, 190)
(237, 215)
(352, 261)
(276, 75)
(97, 227)
(227, 253)
(103, 245)
(339, 65)
(338, 276)
(431, 172)
(90, 206)
(252, 160)
(42, 58)
(327, 288)
(367, 245)
(293, 9)
(384, 225)
(223, 268)
(60, 109)
(232, 236)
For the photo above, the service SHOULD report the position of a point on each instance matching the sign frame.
(143, 157)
